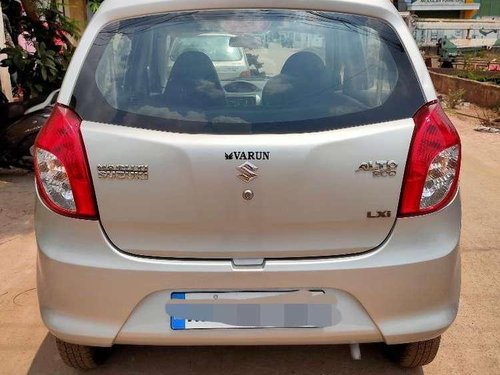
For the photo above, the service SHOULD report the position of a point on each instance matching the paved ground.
(471, 346)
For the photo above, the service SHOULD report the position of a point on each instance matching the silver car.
(229, 62)
(314, 201)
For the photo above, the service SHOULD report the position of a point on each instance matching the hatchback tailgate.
(310, 196)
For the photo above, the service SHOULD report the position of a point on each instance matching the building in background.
(469, 23)
(77, 10)
(440, 8)
(489, 9)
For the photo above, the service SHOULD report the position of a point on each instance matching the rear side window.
(247, 71)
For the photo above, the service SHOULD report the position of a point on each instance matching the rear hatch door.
(321, 149)
(313, 194)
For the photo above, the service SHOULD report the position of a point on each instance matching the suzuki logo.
(247, 172)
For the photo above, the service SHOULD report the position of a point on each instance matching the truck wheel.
(414, 354)
(80, 356)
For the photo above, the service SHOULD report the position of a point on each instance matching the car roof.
(257, 3)
(141, 7)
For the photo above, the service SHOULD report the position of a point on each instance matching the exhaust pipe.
(355, 352)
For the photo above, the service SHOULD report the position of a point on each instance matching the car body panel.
(310, 199)
(407, 289)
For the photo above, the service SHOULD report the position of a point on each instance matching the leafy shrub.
(94, 5)
(51, 34)
(480, 76)
(455, 98)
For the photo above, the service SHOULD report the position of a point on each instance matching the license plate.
(226, 310)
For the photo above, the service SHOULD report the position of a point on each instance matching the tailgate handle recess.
(248, 262)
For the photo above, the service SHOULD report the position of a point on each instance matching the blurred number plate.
(244, 315)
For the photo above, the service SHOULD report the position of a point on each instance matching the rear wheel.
(81, 357)
(414, 354)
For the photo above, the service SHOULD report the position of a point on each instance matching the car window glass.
(216, 47)
(248, 71)
(110, 72)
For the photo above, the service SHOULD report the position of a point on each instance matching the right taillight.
(433, 166)
(61, 168)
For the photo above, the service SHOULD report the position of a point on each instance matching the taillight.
(433, 165)
(61, 167)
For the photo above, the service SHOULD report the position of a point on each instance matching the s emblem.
(247, 172)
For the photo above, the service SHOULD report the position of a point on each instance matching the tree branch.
(31, 9)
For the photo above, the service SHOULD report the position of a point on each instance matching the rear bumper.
(406, 290)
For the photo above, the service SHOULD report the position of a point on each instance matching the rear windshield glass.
(247, 71)
(216, 47)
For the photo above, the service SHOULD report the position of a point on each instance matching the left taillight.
(61, 168)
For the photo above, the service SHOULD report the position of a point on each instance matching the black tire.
(80, 356)
(414, 354)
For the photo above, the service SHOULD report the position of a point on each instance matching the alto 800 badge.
(380, 168)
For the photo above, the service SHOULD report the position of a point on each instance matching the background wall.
(77, 9)
(489, 8)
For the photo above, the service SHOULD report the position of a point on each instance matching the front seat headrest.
(302, 79)
(306, 65)
(194, 83)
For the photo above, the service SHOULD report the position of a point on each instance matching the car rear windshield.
(299, 71)
(217, 48)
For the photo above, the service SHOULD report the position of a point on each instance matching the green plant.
(95, 4)
(455, 98)
(481, 76)
(51, 34)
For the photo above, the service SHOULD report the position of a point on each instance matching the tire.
(81, 357)
(414, 354)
